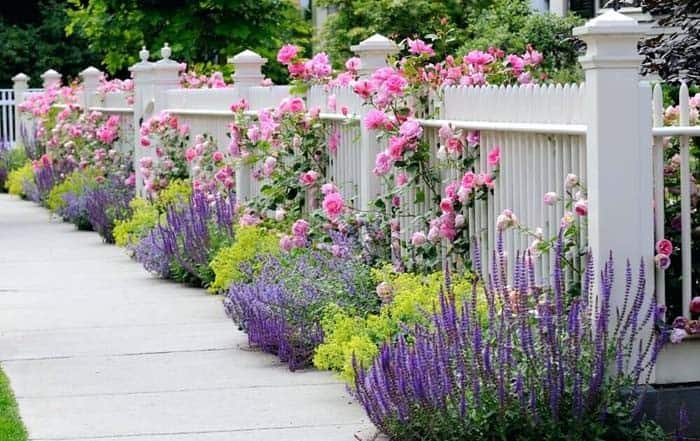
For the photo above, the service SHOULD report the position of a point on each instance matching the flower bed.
(428, 348)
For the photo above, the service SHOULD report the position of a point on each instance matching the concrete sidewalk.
(97, 349)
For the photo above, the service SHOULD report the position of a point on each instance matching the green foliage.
(178, 191)
(472, 24)
(32, 39)
(511, 25)
(76, 183)
(144, 217)
(13, 159)
(17, 177)
(355, 20)
(146, 213)
(11, 427)
(415, 297)
(251, 242)
(198, 31)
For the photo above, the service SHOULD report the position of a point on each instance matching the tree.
(32, 40)
(198, 31)
(676, 51)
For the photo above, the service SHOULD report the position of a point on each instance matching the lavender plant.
(106, 204)
(281, 308)
(150, 251)
(75, 210)
(189, 237)
(536, 370)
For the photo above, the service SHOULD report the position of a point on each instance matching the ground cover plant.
(280, 308)
(11, 427)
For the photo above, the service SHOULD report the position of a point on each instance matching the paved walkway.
(96, 349)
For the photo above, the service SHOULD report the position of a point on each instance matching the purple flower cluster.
(75, 210)
(150, 251)
(540, 363)
(190, 235)
(281, 309)
(107, 203)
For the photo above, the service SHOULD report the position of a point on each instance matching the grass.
(11, 427)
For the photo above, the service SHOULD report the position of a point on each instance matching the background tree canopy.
(33, 39)
(198, 31)
(69, 35)
(476, 24)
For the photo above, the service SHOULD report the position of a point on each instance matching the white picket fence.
(8, 132)
(601, 131)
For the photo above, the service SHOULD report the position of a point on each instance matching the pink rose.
(550, 198)
(300, 228)
(451, 190)
(190, 154)
(401, 179)
(269, 165)
(353, 64)
(308, 178)
(419, 47)
(434, 233)
(571, 181)
(333, 205)
(418, 238)
(665, 247)
(287, 53)
(494, 156)
(662, 261)
(473, 137)
(145, 141)
(446, 205)
(411, 129)
(296, 69)
(286, 243)
(363, 88)
(329, 187)
(375, 119)
(581, 207)
(445, 131)
(217, 156)
(396, 146)
(382, 164)
(478, 57)
(334, 141)
(395, 84)
(146, 162)
(468, 180)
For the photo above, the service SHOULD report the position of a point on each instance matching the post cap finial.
(20, 77)
(50, 74)
(376, 42)
(144, 54)
(90, 71)
(166, 51)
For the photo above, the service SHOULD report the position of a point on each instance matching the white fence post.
(51, 78)
(373, 53)
(91, 81)
(142, 74)
(247, 73)
(619, 148)
(20, 86)
(248, 69)
(166, 76)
